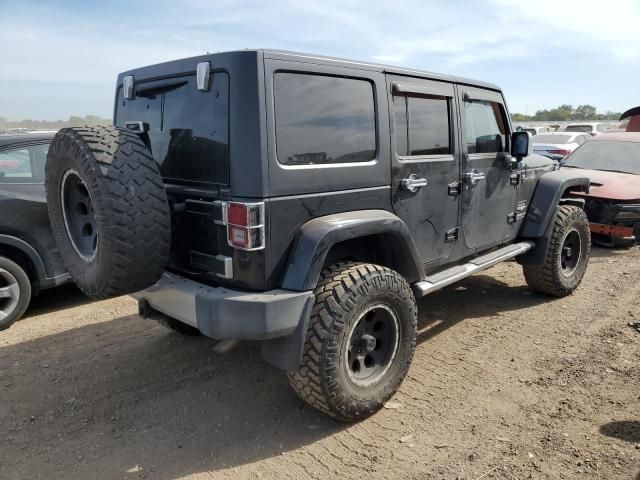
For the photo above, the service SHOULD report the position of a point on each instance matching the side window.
(23, 165)
(324, 120)
(580, 139)
(485, 127)
(422, 125)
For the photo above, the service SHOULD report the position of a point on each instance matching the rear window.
(188, 128)
(579, 128)
(552, 138)
(323, 120)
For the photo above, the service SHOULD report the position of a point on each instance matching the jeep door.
(488, 196)
(425, 163)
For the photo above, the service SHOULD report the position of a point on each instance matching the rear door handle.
(413, 183)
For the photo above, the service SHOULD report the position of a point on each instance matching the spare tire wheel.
(108, 209)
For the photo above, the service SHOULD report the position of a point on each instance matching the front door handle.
(473, 177)
(413, 183)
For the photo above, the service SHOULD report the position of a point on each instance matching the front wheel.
(360, 340)
(567, 256)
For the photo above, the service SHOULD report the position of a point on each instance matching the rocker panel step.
(453, 274)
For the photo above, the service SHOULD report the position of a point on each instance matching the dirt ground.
(505, 384)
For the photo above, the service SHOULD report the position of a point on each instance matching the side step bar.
(452, 275)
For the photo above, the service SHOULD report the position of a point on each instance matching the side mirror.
(521, 145)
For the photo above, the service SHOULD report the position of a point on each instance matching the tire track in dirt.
(504, 383)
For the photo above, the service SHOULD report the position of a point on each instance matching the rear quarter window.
(323, 119)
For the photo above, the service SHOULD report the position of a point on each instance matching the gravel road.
(505, 384)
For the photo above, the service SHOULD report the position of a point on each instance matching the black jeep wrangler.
(306, 202)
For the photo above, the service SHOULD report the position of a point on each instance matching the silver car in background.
(557, 145)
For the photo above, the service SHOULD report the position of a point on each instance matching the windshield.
(542, 138)
(579, 128)
(607, 155)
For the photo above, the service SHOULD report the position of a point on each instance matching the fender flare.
(317, 236)
(546, 197)
(541, 215)
(30, 252)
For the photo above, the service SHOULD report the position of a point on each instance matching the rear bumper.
(222, 313)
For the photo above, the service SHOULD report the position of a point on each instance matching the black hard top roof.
(321, 59)
(379, 67)
(22, 138)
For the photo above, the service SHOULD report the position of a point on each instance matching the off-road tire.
(130, 204)
(549, 278)
(24, 288)
(344, 291)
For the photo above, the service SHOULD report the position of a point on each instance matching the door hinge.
(453, 189)
(515, 179)
(451, 235)
(519, 214)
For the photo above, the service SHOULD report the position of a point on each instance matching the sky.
(61, 58)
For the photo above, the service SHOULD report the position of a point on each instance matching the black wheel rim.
(372, 345)
(571, 253)
(79, 215)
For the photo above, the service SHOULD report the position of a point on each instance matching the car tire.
(344, 373)
(15, 292)
(108, 209)
(567, 256)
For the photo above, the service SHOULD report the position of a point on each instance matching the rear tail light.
(560, 152)
(245, 225)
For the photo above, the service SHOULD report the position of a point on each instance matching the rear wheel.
(567, 257)
(108, 209)
(15, 292)
(360, 340)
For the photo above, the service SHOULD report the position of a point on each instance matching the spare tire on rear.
(108, 209)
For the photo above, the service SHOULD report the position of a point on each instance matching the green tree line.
(73, 121)
(565, 113)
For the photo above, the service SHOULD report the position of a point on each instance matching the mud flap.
(286, 352)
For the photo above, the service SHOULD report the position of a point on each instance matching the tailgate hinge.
(451, 235)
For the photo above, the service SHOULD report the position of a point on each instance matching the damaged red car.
(612, 162)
